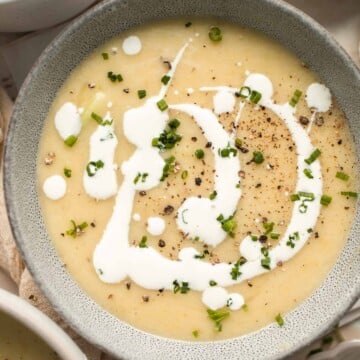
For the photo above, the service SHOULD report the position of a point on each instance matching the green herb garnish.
(218, 316)
(76, 230)
(165, 79)
(227, 151)
(215, 34)
(350, 194)
(93, 166)
(279, 320)
(213, 195)
(168, 168)
(70, 140)
(199, 153)
(67, 172)
(342, 176)
(142, 243)
(141, 94)
(228, 225)
(183, 287)
(105, 56)
(162, 105)
(212, 283)
(325, 200)
(308, 173)
(184, 174)
(195, 332)
(295, 98)
(314, 155)
(255, 96)
(258, 157)
(244, 92)
(100, 120)
(114, 77)
(235, 270)
(188, 24)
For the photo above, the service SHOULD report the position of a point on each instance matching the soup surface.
(19, 343)
(197, 179)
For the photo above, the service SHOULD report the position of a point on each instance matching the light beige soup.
(19, 343)
(265, 189)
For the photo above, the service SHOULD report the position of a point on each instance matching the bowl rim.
(41, 325)
(299, 17)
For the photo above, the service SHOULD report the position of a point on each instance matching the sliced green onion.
(244, 92)
(114, 77)
(67, 172)
(97, 118)
(137, 178)
(295, 98)
(350, 194)
(307, 195)
(215, 34)
(188, 24)
(143, 241)
(279, 320)
(199, 153)
(325, 200)
(218, 316)
(342, 176)
(93, 166)
(141, 94)
(265, 263)
(294, 197)
(212, 283)
(314, 155)
(195, 332)
(213, 195)
(238, 143)
(174, 124)
(274, 236)
(255, 96)
(258, 157)
(105, 56)
(184, 174)
(165, 79)
(308, 173)
(71, 140)
(162, 105)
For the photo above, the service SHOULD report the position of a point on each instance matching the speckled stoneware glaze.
(290, 27)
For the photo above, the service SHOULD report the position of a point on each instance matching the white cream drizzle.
(318, 98)
(68, 120)
(155, 226)
(224, 102)
(54, 187)
(102, 143)
(114, 258)
(131, 45)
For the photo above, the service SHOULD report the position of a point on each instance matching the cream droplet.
(131, 45)
(54, 187)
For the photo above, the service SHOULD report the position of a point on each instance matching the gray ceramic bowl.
(290, 27)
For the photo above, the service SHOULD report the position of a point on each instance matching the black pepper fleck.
(198, 181)
(168, 209)
(161, 243)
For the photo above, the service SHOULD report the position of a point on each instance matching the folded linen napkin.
(10, 259)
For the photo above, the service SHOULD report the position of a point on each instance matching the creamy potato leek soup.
(197, 179)
(19, 343)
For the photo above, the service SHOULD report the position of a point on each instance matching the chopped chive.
(67, 172)
(295, 98)
(105, 56)
(268, 226)
(228, 225)
(184, 174)
(212, 283)
(218, 316)
(93, 166)
(165, 79)
(174, 124)
(100, 271)
(314, 155)
(255, 96)
(143, 241)
(274, 236)
(183, 288)
(141, 94)
(188, 24)
(350, 194)
(195, 332)
(215, 34)
(76, 230)
(244, 92)
(294, 197)
(254, 238)
(342, 176)
(213, 195)
(309, 230)
(325, 200)
(168, 168)
(265, 263)
(97, 118)
(238, 143)
(162, 105)
(114, 77)
(71, 140)
(258, 157)
(199, 153)
(307, 195)
(279, 320)
(137, 178)
(308, 173)
(245, 308)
